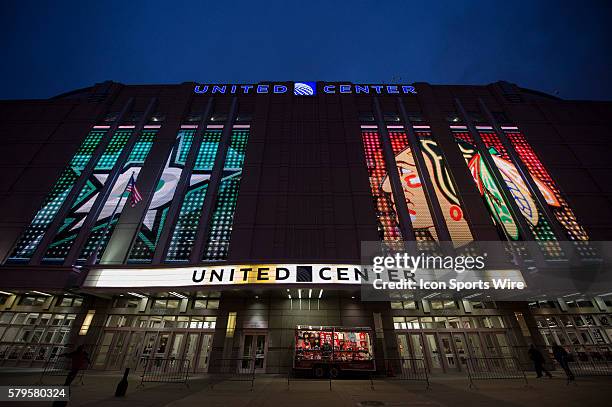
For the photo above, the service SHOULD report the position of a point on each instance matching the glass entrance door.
(254, 348)
(435, 359)
(460, 348)
(448, 352)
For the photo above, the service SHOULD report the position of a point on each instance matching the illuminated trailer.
(332, 350)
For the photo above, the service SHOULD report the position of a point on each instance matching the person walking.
(538, 361)
(79, 360)
(562, 357)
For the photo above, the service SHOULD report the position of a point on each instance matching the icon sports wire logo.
(304, 88)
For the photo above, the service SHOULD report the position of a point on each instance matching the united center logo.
(304, 88)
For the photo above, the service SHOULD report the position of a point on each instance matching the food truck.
(329, 350)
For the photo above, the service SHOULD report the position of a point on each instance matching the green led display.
(64, 239)
(185, 230)
(143, 249)
(31, 237)
(134, 163)
(218, 240)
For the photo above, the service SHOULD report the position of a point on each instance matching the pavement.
(97, 389)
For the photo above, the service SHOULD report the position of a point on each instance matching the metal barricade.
(162, 370)
(495, 368)
(591, 368)
(407, 369)
(295, 375)
(232, 369)
(59, 363)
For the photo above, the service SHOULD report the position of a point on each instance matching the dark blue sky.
(50, 47)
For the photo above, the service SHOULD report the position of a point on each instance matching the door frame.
(255, 333)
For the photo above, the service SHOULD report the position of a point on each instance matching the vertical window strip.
(386, 213)
(488, 188)
(551, 192)
(523, 197)
(412, 188)
(146, 241)
(35, 231)
(220, 231)
(134, 164)
(185, 230)
(445, 189)
(64, 239)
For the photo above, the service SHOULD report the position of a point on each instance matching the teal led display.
(63, 240)
(143, 249)
(31, 237)
(185, 230)
(218, 240)
(134, 163)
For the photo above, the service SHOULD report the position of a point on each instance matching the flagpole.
(93, 258)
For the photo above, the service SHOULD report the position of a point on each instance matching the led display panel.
(185, 229)
(551, 192)
(220, 230)
(147, 238)
(33, 234)
(418, 208)
(487, 186)
(64, 238)
(444, 187)
(386, 212)
(100, 233)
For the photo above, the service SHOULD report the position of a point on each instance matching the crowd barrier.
(162, 370)
(591, 368)
(406, 369)
(232, 369)
(306, 376)
(59, 363)
(494, 368)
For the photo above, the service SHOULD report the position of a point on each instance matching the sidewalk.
(446, 390)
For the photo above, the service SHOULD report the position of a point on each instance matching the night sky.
(51, 47)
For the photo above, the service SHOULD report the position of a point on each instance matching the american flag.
(135, 196)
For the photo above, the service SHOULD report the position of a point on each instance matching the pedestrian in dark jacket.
(562, 357)
(79, 360)
(538, 361)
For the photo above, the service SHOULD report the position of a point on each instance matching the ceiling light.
(41, 293)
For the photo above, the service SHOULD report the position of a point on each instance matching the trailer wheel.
(318, 371)
(334, 372)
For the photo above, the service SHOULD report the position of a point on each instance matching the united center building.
(251, 205)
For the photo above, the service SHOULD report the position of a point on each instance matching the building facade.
(254, 181)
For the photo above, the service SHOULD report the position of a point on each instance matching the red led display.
(420, 215)
(386, 213)
(552, 194)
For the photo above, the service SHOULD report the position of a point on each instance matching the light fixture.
(41, 293)
(309, 293)
(353, 297)
(5, 293)
(289, 296)
(257, 297)
(137, 295)
(320, 293)
(177, 294)
(300, 293)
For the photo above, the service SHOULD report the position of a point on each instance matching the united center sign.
(270, 274)
(304, 89)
